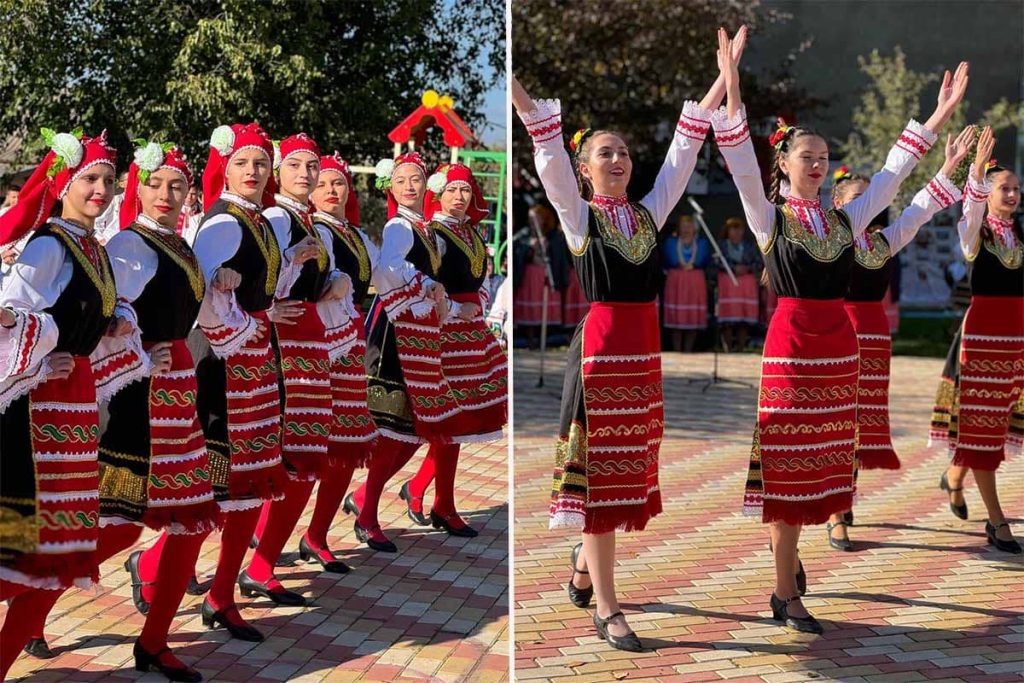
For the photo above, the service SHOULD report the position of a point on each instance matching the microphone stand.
(715, 377)
(549, 280)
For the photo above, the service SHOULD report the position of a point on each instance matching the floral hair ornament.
(841, 173)
(67, 148)
(385, 168)
(437, 181)
(578, 138)
(780, 135)
(149, 156)
(990, 164)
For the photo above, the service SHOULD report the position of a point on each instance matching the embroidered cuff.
(694, 121)
(974, 191)
(942, 190)
(544, 123)
(916, 140)
(119, 361)
(340, 328)
(411, 294)
(730, 132)
(23, 346)
(18, 385)
(225, 324)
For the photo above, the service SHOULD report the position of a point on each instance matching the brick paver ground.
(438, 611)
(922, 598)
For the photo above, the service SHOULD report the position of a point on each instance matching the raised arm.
(543, 121)
(913, 143)
(934, 197)
(691, 129)
(733, 138)
(976, 197)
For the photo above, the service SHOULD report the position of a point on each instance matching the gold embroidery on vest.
(1010, 257)
(265, 241)
(102, 277)
(877, 256)
(426, 235)
(474, 250)
(355, 244)
(825, 249)
(178, 251)
(635, 249)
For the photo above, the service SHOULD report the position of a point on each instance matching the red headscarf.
(226, 142)
(449, 174)
(293, 144)
(335, 163)
(45, 187)
(384, 181)
(172, 159)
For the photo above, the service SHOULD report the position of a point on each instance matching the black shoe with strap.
(464, 531)
(213, 618)
(271, 589)
(332, 566)
(349, 506)
(958, 510)
(38, 648)
(417, 517)
(780, 612)
(1011, 546)
(131, 565)
(629, 642)
(366, 536)
(148, 661)
(843, 544)
(196, 588)
(579, 596)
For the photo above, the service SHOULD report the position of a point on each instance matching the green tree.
(630, 64)
(345, 71)
(894, 96)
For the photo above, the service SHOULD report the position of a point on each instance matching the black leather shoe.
(334, 566)
(838, 543)
(349, 506)
(195, 588)
(131, 565)
(439, 522)
(250, 587)
(579, 596)
(146, 661)
(380, 546)
(801, 578)
(212, 618)
(37, 647)
(1006, 546)
(958, 510)
(780, 612)
(416, 517)
(629, 643)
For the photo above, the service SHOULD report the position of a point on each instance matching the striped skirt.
(737, 303)
(686, 299)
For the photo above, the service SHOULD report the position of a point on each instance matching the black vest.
(314, 272)
(257, 260)
(81, 314)
(998, 271)
(424, 254)
(464, 265)
(169, 303)
(872, 270)
(351, 257)
(612, 268)
(803, 266)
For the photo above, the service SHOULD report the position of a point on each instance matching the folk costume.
(471, 358)
(739, 303)
(802, 461)
(872, 270)
(686, 285)
(606, 468)
(979, 409)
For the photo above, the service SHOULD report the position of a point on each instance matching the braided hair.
(580, 145)
(782, 147)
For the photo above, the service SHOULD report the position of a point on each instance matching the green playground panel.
(490, 169)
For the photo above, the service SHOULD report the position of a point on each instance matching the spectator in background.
(530, 286)
(109, 222)
(191, 215)
(10, 198)
(738, 303)
(10, 255)
(685, 256)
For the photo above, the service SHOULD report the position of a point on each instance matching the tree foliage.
(345, 71)
(894, 96)
(630, 64)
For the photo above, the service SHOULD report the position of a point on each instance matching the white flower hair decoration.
(437, 181)
(223, 140)
(68, 148)
(149, 156)
(383, 171)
